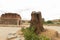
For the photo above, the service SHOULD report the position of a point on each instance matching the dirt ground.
(4, 31)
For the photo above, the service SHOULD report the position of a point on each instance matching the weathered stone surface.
(36, 21)
(10, 19)
(10, 15)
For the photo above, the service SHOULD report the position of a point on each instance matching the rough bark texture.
(36, 21)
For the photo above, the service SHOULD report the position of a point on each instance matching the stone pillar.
(36, 21)
(17, 22)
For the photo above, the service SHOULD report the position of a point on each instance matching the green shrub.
(49, 22)
(29, 34)
(44, 37)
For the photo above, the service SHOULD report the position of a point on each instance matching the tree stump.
(36, 21)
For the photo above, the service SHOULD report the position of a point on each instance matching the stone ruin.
(10, 19)
(36, 21)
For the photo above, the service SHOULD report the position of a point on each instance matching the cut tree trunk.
(36, 21)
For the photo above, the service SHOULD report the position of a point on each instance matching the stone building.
(10, 19)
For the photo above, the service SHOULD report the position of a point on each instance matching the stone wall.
(10, 15)
(10, 19)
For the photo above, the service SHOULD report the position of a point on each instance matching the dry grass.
(54, 35)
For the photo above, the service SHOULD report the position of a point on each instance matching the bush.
(49, 22)
(44, 37)
(29, 34)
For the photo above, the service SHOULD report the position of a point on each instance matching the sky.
(50, 9)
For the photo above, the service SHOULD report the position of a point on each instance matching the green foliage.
(49, 22)
(44, 22)
(22, 29)
(29, 34)
(44, 37)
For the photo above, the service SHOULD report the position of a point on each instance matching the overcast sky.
(50, 9)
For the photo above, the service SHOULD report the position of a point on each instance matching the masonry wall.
(10, 19)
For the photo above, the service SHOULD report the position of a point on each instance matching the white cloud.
(50, 8)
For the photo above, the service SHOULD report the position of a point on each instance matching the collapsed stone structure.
(10, 19)
(36, 21)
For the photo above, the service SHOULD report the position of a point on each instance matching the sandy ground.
(4, 31)
(57, 28)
